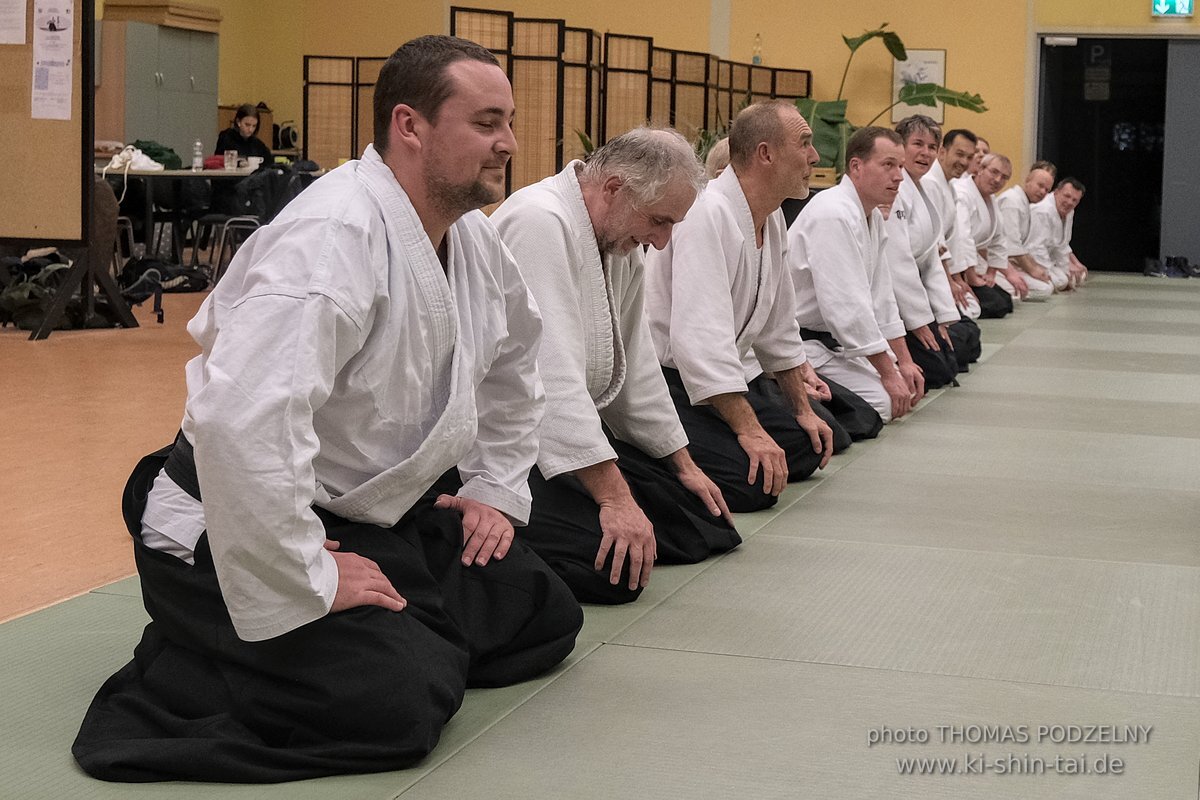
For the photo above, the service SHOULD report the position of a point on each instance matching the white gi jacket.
(1016, 215)
(980, 227)
(839, 267)
(342, 367)
(722, 310)
(596, 359)
(1052, 234)
(943, 197)
(920, 284)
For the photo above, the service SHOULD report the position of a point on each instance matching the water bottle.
(756, 56)
(198, 156)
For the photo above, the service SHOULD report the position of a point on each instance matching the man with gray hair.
(920, 284)
(722, 313)
(1016, 214)
(614, 487)
(981, 234)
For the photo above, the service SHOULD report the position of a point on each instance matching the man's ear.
(407, 125)
(763, 154)
(611, 186)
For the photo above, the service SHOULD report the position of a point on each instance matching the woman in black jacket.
(240, 136)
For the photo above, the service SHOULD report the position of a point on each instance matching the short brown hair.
(862, 143)
(415, 75)
(909, 126)
(755, 124)
(1046, 165)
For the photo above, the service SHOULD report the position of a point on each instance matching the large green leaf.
(930, 94)
(896, 47)
(858, 41)
(831, 130)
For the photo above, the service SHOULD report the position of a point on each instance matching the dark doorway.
(1101, 112)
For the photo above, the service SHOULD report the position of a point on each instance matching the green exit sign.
(1171, 8)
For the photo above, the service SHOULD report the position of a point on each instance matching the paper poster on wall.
(53, 58)
(922, 66)
(12, 21)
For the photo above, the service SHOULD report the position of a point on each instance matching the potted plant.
(827, 118)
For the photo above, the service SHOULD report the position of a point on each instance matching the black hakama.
(362, 690)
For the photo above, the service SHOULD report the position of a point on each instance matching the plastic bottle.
(757, 57)
(198, 156)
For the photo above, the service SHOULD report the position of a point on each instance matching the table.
(151, 177)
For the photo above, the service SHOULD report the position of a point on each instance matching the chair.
(124, 228)
(227, 238)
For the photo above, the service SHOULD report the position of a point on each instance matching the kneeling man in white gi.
(614, 488)
(326, 552)
(1054, 217)
(845, 304)
(981, 235)
(1016, 211)
(722, 311)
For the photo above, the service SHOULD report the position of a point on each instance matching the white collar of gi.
(566, 183)
(728, 185)
(404, 229)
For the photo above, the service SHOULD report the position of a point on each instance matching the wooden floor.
(76, 412)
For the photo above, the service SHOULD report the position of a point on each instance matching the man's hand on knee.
(627, 533)
(487, 533)
(819, 434)
(925, 336)
(699, 484)
(361, 583)
(816, 388)
(898, 390)
(766, 454)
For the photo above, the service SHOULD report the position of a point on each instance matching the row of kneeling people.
(416, 437)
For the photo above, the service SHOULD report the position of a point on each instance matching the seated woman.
(240, 137)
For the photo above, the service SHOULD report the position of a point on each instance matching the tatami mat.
(1027, 516)
(1074, 383)
(1109, 341)
(1019, 552)
(644, 723)
(1019, 354)
(1121, 626)
(1049, 412)
(994, 454)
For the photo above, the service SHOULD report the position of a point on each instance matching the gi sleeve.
(642, 412)
(541, 241)
(964, 248)
(1010, 220)
(703, 341)
(272, 366)
(827, 244)
(510, 402)
(778, 346)
(937, 287)
(911, 299)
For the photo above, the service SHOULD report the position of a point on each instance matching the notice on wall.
(12, 21)
(53, 58)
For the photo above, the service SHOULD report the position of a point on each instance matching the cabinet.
(157, 82)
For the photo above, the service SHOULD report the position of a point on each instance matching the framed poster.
(922, 66)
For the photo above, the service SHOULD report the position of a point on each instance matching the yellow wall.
(263, 42)
(984, 54)
(1132, 16)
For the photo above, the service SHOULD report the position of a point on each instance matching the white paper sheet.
(12, 21)
(53, 58)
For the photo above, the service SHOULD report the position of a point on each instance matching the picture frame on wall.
(922, 66)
